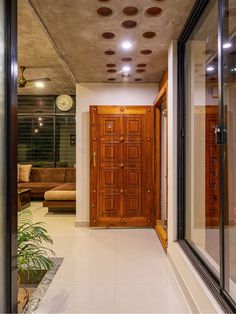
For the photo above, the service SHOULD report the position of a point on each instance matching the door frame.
(139, 221)
(11, 286)
(161, 230)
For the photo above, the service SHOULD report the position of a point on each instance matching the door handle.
(94, 159)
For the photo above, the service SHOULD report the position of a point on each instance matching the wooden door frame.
(160, 230)
(150, 220)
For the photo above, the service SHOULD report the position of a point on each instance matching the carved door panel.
(121, 183)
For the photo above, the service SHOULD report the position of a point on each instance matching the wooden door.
(121, 166)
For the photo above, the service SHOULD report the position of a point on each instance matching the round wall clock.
(64, 102)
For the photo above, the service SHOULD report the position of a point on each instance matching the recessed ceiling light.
(40, 124)
(210, 68)
(126, 68)
(227, 45)
(126, 45)
(40, 119)
(36, 131)
(39, 84)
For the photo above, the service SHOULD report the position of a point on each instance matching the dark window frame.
(215, 284)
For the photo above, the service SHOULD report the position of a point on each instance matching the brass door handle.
(94, 159)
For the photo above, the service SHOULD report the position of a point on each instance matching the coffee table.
(24, 198)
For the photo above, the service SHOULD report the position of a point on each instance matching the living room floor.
(108, 270)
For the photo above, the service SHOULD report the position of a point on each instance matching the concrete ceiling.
(65, 36)
(37, 52)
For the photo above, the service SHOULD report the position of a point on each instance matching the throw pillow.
(25, 171)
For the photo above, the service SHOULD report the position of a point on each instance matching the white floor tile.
(108, 270)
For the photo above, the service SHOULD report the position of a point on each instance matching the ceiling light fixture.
(36, 131)
(40, 119)
(210, 68)
(126, 69)
(126, 45)
(40, 124)
(227, 45)
(39, 84)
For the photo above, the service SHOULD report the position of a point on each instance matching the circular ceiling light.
(108, 35)
(104, 11)
(149, 34)
(111, 79)
(153, 11)
(138, 79)
(129, 24)
(109, 52)
(227, 45)
(111, 71)
(146, 52)
(111, 65)
(210, 68)
(126, 45)
(126, 75)
(39, 84)
(130, 11)
(126, 68)
(140, 70)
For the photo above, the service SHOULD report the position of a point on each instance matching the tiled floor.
(109, 271)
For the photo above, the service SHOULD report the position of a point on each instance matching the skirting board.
(82, 223)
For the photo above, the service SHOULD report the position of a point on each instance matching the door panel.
(121, 182)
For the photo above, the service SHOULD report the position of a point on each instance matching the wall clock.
(64, 102)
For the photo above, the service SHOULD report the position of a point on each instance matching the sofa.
(61, 181)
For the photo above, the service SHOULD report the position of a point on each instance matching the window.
(207, 145)
(46, 137)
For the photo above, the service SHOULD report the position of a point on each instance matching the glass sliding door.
(202, 151)
(229, 122)
(207, 145)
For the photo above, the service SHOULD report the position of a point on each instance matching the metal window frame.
(216, 285)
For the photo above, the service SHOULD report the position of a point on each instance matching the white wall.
(100, 94)
(198, 295)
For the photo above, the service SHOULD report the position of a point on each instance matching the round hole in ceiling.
(111, 79)
(140, 70)
(138, 79)
(109, 52)
(111, 71)
(111, 65)
(130, 11)
(125, 75)
(149, 34)
(146, 52)
(141, 65)
(153, 11)
(104, 11)
(129, 24)
(108, 35)
(126, 59)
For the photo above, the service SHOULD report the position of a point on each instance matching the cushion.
(63, 192)
(24, 173)
(38, 187)
(48, 175)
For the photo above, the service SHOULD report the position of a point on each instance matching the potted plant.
(33, 252)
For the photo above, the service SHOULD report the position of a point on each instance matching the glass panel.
(36, 104)
(36, 141)
(65, 141)
(2, 161)
(202, 151)
(229, 81)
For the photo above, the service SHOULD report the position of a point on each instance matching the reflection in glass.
(229, 81)
(202, 150)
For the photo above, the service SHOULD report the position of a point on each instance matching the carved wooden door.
(121, 166)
